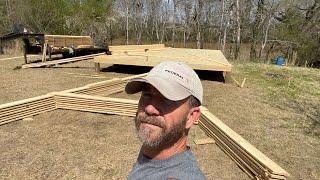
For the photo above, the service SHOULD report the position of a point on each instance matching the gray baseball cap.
(174, 80)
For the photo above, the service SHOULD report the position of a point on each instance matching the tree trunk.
(200, 3)
(237, 49)
(221, 31)
(184, 39)
(263, 44)
(174, 23)
(255, 30)
(127, 26)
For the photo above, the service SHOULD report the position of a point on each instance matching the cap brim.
(170, 90)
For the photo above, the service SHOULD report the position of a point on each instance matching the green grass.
(290, 88)
(280, 81)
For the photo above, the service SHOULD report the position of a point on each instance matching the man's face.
(160, 121)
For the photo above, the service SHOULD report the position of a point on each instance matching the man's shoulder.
(181, 166)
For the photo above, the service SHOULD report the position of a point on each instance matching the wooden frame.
(252, 161)
(151, 55)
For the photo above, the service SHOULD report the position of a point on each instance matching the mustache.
(150, 120)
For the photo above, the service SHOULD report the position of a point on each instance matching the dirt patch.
(68, 144)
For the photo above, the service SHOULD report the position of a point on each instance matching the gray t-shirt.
(179, 166)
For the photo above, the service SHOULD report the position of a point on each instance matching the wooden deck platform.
(151, 55)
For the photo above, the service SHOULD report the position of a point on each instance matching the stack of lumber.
(18, 110)
(104, 88)
(67, 41)
(248, 158)
(97, 104)
(61, 61)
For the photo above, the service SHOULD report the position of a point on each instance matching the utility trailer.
(43, 44)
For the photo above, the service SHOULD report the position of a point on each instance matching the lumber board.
(116, 100)
(100, 89)
(244, 144)
(107, 87)
(26, 108)
(103, 92)
(135, 76)
(95, 103)
(126, 48)
(204, 141)
(240, 146)
(250, 162)
(2, 106)
(18, 110)
(121, 113)
(75, 89)
(61, 61)
(246, 166)
(26, 114)
(233, 156)
(24, 104)
(87, 107)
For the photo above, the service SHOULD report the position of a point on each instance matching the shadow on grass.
(128, 69)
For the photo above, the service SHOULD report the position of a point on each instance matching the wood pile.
(97, 104)
(25, 108)
(104, 88)
(67, 41)
(248, 158)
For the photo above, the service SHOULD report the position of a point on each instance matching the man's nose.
(151, 110)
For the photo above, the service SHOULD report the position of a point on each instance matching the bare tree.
(237, 49)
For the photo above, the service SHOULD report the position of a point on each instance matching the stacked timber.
(248, 158)
(104, 88)
(18, 110)
(67, 41)
(96, 104)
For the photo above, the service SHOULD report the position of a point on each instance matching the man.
(169, 105)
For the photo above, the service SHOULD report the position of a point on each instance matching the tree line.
(256, 30)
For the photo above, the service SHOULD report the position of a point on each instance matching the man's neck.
(164, 153)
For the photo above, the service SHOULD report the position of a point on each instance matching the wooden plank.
(25, 101)
(232, 155)
(135, 76)
(61, 61)
(128, 101)
(26, 114)
(204, 141)
(224, 144)
(23, 105)
(44, 52)
(26, 107)
(142, 48)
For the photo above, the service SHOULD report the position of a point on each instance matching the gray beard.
(166, 137)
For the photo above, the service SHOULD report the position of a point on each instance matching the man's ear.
(193, 116)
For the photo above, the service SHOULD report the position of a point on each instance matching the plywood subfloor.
(198, 59)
